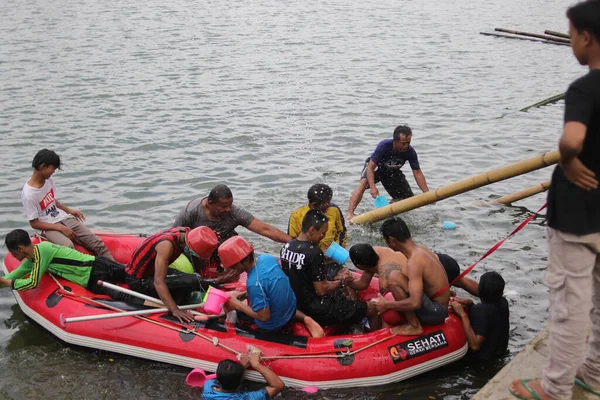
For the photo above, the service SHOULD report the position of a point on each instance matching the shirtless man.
(426, 275)
(389, 265)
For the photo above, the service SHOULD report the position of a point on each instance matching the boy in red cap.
(272, 300)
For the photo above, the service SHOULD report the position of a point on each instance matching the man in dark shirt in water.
(385, 165)
(574, 228)
(487, 326)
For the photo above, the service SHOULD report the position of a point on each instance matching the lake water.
(151, 104)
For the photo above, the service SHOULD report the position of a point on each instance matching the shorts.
(336, 309)
(450, 265)
(393, 181)
(431, 312)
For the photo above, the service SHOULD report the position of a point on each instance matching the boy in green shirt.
(70, 264)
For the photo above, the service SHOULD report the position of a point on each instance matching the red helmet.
(202, 241)
(234, 250)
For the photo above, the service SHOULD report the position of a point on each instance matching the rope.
(340, 354)
(490, 251)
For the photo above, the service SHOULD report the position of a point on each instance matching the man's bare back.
(433, 272)
(389, 261)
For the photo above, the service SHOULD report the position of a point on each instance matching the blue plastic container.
(381, 201)
(337, 253)
(448, 225)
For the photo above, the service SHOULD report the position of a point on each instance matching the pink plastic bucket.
(215, 299)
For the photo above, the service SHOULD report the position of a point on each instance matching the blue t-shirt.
(385, 157)
(268, 286)
(210, 393)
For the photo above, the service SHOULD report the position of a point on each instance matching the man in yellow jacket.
(319, 198)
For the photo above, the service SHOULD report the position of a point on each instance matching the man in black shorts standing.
(303, 261)
(385, 165)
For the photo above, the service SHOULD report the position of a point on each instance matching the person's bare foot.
(517, 389)
(407, 330)
(314, 328)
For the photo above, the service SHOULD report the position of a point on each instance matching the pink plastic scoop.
(198, 377)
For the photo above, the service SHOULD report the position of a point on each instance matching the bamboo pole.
(547, 101)
(535, 35)
(557, 34)
(523, 38)
(523, 194)
(464, 185)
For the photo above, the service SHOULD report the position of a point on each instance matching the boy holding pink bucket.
(272, 302)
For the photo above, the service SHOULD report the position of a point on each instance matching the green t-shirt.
(59, 260)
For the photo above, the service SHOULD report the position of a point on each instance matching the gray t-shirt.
(193, 215)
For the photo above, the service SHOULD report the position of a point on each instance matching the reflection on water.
(151, 104)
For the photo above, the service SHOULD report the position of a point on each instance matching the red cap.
(203, 241)
(234, 250)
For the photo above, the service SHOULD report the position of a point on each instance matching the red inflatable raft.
(334, 361)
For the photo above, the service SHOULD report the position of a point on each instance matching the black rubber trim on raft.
(55, 298)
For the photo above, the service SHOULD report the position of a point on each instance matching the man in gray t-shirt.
(218, 213)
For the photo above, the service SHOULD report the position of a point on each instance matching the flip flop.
(581, 383)
(532, 392)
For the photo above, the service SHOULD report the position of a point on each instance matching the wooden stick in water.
(535, 35)
(557, 34)
(524, 38)
(549, 100)
(523, 194)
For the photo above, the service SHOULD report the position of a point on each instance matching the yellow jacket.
(336, 231)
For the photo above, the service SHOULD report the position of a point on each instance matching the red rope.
(490, 251)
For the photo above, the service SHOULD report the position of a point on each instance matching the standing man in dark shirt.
(488, 325)
(385, 165)
(303, 262)
(218, 212)
(574, 228)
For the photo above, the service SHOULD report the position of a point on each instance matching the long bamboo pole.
(523, 194)
(549, 100)
(523, 38)
(535, 35)
(557, 34)
(473, 182)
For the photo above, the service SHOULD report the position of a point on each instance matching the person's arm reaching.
(257, 226)
(475, 341)
(415, 292)
(263, 315)
(274, 383)
(420, 179)
(371, 179)
(362, 283)
(164, 250)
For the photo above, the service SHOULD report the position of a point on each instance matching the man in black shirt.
(303, 262)
(574, 227)
(487, 327)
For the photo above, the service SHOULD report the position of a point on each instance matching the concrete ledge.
(527, 364)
